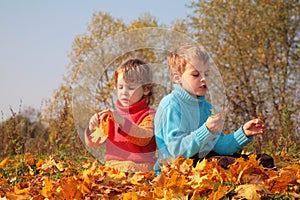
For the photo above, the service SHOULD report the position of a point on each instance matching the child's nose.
(202, 78)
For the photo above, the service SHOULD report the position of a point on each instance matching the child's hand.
(98, 126)
(94, 122)
(254, 127)
(215, 123)
(96, 118)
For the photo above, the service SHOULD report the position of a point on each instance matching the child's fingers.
(254, 127)
(99, 116)
(216, 118)
(215, 124)
(104, 114)
(259, 123)
(93, 119)
(94, 122)
(219, 115)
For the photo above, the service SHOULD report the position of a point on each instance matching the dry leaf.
(28, 157)
(130, 196)
(101, 133)
(259, 116)
(220, 192)
(99, 136)
(250, 191)
(47, 187)
(4, 162)
(179, 179)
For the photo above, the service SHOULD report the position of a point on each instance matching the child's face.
(128, 93)
(195, 80)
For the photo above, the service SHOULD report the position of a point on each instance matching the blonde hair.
(136, 71)
(184, 54)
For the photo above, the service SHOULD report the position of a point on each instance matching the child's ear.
(176, 77)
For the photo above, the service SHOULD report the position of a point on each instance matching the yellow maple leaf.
(4, 162)
(22, 191)
(101, 133)
(99, 136)
(136, 178)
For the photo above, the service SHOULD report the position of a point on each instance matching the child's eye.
(206, 75)
(131, 88)
(120, 87)
(195, 75)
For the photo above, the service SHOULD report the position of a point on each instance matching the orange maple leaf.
(281, 181)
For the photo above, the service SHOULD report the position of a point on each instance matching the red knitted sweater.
(119, 145)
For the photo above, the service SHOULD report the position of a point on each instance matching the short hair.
(137, 71)
(184, 54)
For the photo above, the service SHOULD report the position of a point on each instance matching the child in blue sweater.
(184, 124)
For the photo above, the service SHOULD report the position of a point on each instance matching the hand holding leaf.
(215, 123)
(254, 127)
(101, 131)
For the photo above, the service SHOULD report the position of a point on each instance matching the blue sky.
(36, 37)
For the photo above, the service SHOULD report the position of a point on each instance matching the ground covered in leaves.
(28, 177)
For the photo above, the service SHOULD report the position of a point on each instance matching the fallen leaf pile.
(28, 178)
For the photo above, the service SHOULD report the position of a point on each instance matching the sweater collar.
(140, 105)
(185, 96)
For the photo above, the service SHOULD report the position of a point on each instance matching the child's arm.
(234, 142)
(172, 136)
(141, 134)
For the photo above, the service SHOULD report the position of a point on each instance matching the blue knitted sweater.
(180, 129)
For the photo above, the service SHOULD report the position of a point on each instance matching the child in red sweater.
(130, 143)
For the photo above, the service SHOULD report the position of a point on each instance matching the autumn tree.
(256, 47)
(57, 116)
(22, 132)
